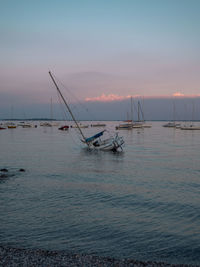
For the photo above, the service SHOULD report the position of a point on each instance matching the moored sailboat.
(190, 127)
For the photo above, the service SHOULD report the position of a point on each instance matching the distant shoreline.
(39, 257)
(46, 119)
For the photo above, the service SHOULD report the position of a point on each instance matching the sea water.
(142, 203)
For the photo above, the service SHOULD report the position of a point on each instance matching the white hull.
(110, 144)
(98, 125)
(80, 126)
(172, 125)
(124, 127)
(190, 128)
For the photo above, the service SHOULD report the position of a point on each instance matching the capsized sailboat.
(112, 143)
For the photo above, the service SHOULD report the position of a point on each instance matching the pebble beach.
(40, 258)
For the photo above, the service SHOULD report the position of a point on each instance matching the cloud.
(178, 94)
(114, 97)
(107, 98)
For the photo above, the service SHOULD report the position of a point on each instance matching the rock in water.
(21, 170)
(4, 170)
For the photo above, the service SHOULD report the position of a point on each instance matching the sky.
(102, 51)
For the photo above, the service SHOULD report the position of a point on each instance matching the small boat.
(137, 125)
(112, 143)
(140, 123)
(79, 126)
(64, 128)
(45, 124)
(124, 126)
(128, 124)
(25, 125)
(171, 125)
(190, 127)
(11, 125)
(54, 123)
(145, 125)
(98, 125)
(2, 128)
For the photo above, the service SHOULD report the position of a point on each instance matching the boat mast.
(131, 109)
(68, 108)
(138, 111)
(174, 112)
(51, 110)
(142, 113)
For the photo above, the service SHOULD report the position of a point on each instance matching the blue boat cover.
(89, 139)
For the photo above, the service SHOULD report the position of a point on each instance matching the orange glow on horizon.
(114, 97)
(178, 94)
(107, 98)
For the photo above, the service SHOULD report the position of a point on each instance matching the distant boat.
(128, 125)
(11, 125)
(190, 127)
(79, 126)
(172, 124)
(131, 124)
(64, 128)
(54, 123)
(140, 123)
(124, 126)
(2, 128)
(98, 125)
(45, 124)
(25, 124)
(112, 143)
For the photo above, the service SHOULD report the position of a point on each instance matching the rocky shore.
(44, 258)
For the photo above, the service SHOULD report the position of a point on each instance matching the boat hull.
(110, 144)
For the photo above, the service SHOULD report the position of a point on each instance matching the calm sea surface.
(143, 203)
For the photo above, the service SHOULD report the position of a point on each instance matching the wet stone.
(4, 170)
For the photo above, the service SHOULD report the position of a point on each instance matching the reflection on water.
(141, 203)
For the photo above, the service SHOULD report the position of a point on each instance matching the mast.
(174, 112)
(132, 109)
(68, 108)
(51, 110)
(142, 113)
(138, 111)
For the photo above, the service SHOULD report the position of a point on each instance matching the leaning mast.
(68, 108)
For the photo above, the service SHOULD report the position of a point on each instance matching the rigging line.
(65, 118)
(64, 113)
(72, 136)
(62, 107)
(135, 107)
(68, 108)
(142, 113)
(76, 98)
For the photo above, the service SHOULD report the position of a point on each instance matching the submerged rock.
(4, 173)
(4, 170)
